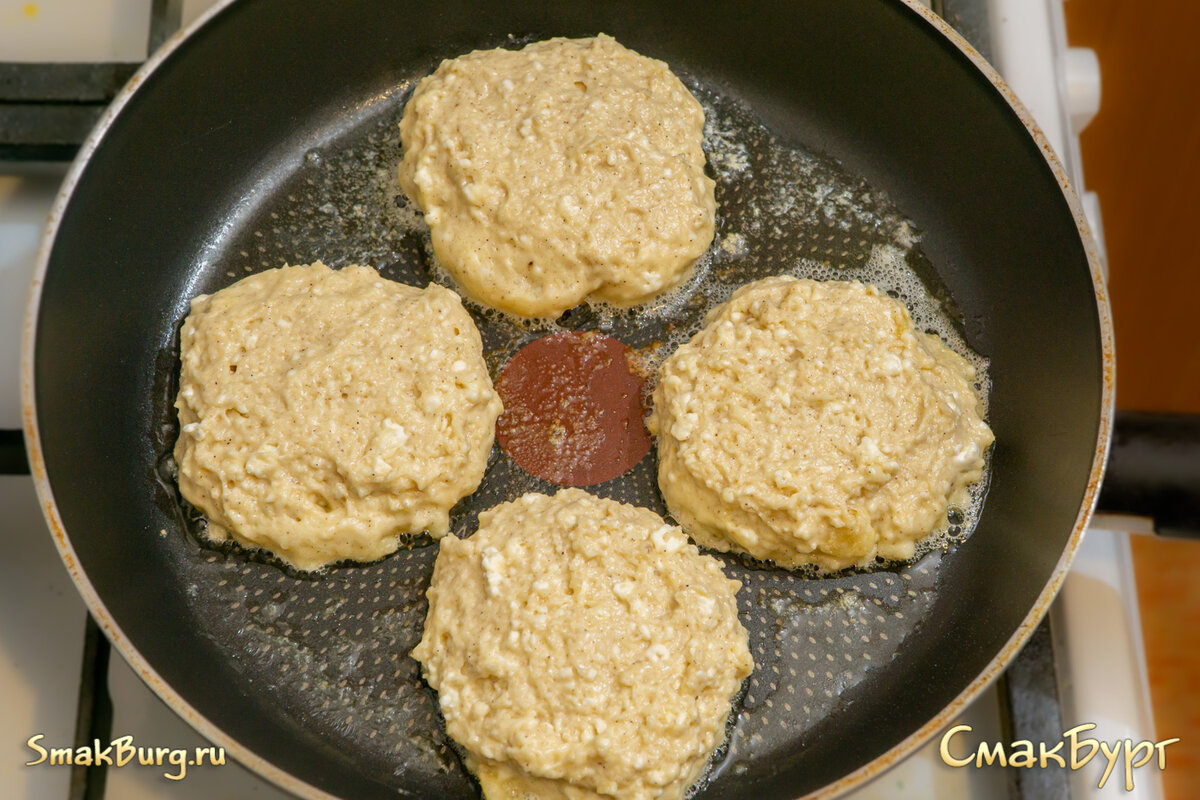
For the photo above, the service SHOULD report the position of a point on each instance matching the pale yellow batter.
(810, 423)
(569, 170)
(582, 648)
(323, 413)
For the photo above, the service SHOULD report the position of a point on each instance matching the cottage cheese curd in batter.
(582, 648)
(324, 412)
(810, 423)
(569, 170)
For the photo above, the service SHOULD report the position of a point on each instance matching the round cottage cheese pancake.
(569, 170)
(811, 423)
(582, 648)
(323, 413)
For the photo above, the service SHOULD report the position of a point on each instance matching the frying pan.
(253, 139)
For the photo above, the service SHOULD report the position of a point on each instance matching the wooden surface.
(1169, 598)
(1142, 156)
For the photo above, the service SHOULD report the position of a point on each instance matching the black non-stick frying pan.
(268, 135)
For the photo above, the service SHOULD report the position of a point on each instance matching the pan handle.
(1154, 471)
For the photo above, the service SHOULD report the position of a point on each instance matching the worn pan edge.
(37, 465)
(1099, 462)
(301, 788)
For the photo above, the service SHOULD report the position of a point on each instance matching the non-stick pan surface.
(269, 136)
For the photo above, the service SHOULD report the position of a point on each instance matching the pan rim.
(37, 466)
(1025, 630)
(286, 780)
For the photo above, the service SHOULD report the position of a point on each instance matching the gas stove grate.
(47, 110)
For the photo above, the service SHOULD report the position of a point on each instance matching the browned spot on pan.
(572, 409)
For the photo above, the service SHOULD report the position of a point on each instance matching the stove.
(64, 60)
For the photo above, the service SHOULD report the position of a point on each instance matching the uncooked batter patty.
(566, 171)
(323, 413)
(582, 648)
(811, 423)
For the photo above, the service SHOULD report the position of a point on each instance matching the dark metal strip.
(1031, 710)
(13, 460)
(971, 19)
(93, 720)
(62, 83)
(166, 17)
(1154, 471)
(47, 110)
(47, 123)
